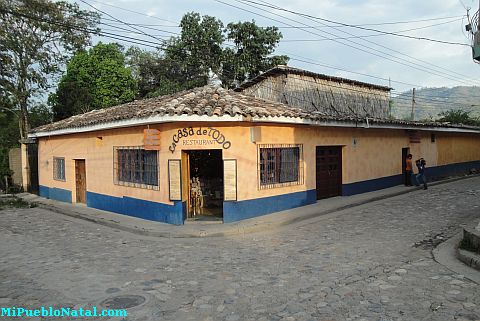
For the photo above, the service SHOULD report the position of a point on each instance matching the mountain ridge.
(430, 102)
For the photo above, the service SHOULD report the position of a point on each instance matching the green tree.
(37, 37)
(10, 134)
(188, 59)
(250, 55)
(198, 49)
(155, 74)
(458, 117)
(95, 79)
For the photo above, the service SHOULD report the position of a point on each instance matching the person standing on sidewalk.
(421, 165)
(408, 170)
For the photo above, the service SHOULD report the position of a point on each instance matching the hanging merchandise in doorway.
(206, 186)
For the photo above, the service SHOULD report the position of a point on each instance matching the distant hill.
(432, 101)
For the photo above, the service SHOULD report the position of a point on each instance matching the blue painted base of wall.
(458, 169)
(236, 211)
(371, 185)
(57, 194)
(153, 211)
(433, 173)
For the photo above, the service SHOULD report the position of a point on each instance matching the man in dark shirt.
(421, 165)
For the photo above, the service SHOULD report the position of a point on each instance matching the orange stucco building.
(216, 153)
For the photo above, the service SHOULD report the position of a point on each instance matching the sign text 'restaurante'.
(209, 132)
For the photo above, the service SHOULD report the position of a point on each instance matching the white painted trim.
(138, 122)
(227, 118)
(351, 124)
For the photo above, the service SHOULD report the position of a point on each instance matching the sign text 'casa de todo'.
(204, 136)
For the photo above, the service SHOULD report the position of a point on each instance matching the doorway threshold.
(203, 220)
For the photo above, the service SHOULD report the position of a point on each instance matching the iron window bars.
(135, 167)
(280, 165)
(59, 168)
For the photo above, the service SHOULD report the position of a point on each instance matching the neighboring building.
(321, 93)
(229, 155)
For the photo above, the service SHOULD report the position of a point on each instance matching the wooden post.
(413, 105)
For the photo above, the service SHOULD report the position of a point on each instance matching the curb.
(469, 258)
(446, 254)
(241, 228)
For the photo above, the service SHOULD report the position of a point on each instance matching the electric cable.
(438, 73)
(348, 45)
(125, 23)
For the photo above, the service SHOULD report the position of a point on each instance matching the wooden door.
(329, 171)
(186, 180)
(81, 181)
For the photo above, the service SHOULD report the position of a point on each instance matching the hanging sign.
(151, 139)
(204, 136)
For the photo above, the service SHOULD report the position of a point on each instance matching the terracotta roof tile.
(207, 101)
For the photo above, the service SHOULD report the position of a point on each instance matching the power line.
(132, 11)
(135, 40)
(401, 95)
(383, 23)
(310, 62)
(323, 65)
(144, 24)
(313, 62)
(348, 45)
(426, 108)
(372, 35)
(87, 30)
(266, 4)
(145, 27)
(438, 73)
(125, 23)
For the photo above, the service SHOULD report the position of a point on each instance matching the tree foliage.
(10, 134)
(155, 74)
(37, 38)
(202, 48)
(250, 55)
(459, 117)
(198, 49)
(94, 79)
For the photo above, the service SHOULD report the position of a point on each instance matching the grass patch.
(15, 202)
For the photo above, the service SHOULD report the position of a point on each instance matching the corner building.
(214, 154)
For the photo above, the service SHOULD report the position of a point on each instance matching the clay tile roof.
(209, 101)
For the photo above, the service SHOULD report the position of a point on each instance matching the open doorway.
(405, 152)
(205, 184)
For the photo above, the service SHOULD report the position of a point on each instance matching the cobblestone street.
(372, 262)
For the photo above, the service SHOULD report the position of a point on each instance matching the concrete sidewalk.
(217, 229)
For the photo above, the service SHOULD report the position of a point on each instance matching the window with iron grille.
(280, 165)
(59, 168)
(136, 167)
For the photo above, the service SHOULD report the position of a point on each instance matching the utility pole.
(413, 105)
(390, 102)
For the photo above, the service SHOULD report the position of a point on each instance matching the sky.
(320, 46)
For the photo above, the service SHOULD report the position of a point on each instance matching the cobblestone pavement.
(372, 262)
